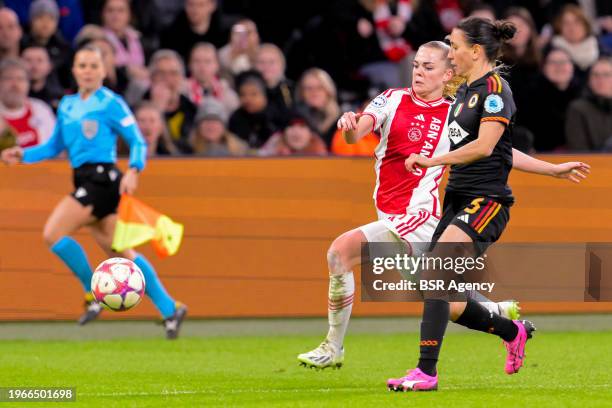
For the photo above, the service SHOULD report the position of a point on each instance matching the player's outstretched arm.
(47, 150)
(354, 126)
(488, 136)
(572, 171)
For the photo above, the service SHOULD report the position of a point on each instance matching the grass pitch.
(212, 366)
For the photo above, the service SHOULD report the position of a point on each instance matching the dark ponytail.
(504, 30)
(491, 35)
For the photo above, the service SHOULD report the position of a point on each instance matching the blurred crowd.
(269, 78)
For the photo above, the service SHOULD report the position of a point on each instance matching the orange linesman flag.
(138, 223)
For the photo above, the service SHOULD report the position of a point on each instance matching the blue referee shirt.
(88, 129)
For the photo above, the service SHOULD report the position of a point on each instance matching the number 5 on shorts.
(474, 205)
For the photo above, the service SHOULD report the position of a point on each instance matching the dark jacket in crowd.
(280, 98)
(51, 92)
(60, 54)
(180, 123)
(544, 113)
(254, 128)
(181, 38)
(588, 123)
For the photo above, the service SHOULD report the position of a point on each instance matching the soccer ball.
(118, 284)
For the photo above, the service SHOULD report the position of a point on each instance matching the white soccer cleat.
(509, 309)
(326, 355)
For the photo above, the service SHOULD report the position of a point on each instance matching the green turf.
(562, 369)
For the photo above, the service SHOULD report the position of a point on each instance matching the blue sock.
(154, 288)
(75, 258)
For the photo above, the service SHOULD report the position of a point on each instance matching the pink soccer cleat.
(516, 347)
(414, 380)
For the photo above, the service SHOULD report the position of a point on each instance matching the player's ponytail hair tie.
(491, 35)
(504, 30)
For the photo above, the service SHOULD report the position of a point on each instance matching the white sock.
(484, 301)
(491, 307)
(340, 304)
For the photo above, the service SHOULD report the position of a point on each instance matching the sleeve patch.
(379, 102)
(127, 121)
(493, 104)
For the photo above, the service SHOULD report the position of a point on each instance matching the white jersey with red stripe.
(33, 122)
(408, 125)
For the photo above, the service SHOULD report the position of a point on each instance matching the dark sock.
(433, 326)
(477, 317)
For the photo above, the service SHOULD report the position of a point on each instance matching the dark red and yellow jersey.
(486, 99)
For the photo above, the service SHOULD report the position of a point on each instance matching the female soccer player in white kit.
(410, 120)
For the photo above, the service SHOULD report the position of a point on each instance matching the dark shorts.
(97, 184)
(482, 218)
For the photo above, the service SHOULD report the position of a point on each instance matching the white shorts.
(414, 227)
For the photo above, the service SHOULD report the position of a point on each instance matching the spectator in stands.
(482, 10)
(153, 128)
(44, 84)
(253, 121)
(390, 28)
(167, 78)
(426, 22)
(210, 137)
(549, 98)
(316, 97)
(44, 19)
(124, 38)
(522, 57)
(71, 16)
(574, 34)
(298, 138)
(449, 12)
(10, 34)
(205, 82)
(148, 16)
(32, 119)
(270, 62)
(589, 119)
(239, 54)
(341, 41)
(604, 23)
(88, 33)
(199, 22)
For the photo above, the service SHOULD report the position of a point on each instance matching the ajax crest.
(414, 134)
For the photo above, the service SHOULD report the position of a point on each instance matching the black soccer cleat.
(92, 310)
(529, 328)
(172, 325)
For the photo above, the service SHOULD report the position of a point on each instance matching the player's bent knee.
(342, 253)
(50, 237)
(456, 310)
(337, 261)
